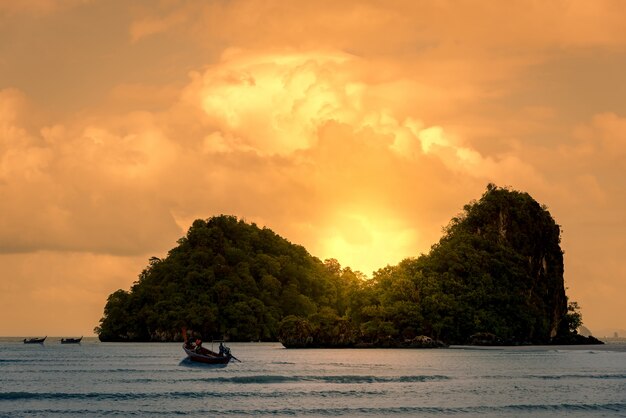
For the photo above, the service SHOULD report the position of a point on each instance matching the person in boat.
(198, 347)
(222, 350)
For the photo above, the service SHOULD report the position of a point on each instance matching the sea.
(156, 379)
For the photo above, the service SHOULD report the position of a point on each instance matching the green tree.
(225, 278)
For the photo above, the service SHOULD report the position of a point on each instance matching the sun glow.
(367, 242)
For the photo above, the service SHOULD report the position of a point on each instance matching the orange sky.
(357, 129)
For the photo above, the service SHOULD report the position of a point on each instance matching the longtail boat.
(34, 340)
(199, 354)
(71, 340)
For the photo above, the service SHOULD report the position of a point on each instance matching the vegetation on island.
(495, 277)
(226, 278)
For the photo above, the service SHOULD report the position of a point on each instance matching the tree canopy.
(226, 278)
(497, 270)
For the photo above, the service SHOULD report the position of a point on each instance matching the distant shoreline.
(616, 345)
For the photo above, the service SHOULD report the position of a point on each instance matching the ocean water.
(98, 379)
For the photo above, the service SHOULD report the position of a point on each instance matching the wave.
(101, 370)
(277, 379)
(603, 376)
(348, 379)
(481, 410)
(564, 407)
(363, 411)
(132, 396)
(265, 379)
(408, 410)
(582, 376)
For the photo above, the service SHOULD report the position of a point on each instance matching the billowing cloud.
(297, 131)
(356, 130)
(81, 188)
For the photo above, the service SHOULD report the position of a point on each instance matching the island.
(494, 278)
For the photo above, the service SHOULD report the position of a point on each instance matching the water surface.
(128, 379)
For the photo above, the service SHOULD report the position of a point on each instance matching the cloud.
(357, 129)
(267, 136)
(368, 26)
(339, 138)
(274, 103)
(81, 188)
(133, 97)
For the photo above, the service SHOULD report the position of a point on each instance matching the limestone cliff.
(521, 235)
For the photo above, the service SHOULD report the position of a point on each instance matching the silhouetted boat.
(34, 340)
(204, 355)
(71, 340)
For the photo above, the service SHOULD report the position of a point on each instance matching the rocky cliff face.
(515, 222)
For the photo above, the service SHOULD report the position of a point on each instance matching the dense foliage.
(498, 269)
(497, 273)
(225, 279)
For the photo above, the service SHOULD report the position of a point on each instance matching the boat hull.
(34, 340)
(207, 358)
(71, 340)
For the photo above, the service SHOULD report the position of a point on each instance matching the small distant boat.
(34, 340)
(204, 355)
(71, 340)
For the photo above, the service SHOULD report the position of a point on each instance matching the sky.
(357, 129)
